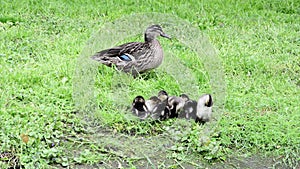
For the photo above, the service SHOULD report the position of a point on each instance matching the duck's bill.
(165, 35)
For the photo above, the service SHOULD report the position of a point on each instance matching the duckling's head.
(153, 31)
(162, 95)
(139, 103)
(206, 100)
(155, 99)
(185, 97)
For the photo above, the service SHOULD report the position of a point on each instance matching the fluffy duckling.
(204, 108)
(175, 104)
(189, 108)
(139, 107)
(157, 108)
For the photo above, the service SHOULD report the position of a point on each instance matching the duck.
(135, 57)
(139, 108)
(189, 109)
(157, 108)
(204, 108)
(175, 104)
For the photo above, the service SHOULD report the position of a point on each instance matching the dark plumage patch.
(139, 103)
(210, 101)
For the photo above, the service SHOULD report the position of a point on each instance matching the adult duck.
(135, 57)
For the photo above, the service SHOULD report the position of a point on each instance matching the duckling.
(204, 108)
(157, 108)
(189, 108)
(139, 107)
(175, 104)
(135, 57)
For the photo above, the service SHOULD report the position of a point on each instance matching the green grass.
(257, 41)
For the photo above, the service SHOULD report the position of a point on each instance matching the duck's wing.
(126, 52)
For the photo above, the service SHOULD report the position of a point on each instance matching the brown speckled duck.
(135, 57)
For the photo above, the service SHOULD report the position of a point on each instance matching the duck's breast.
(152, 57)
(157, 53)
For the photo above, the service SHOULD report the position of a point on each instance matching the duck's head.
(155, 99)
(153, 31)
(209, 101)
(206, 100)
(162, 95)
(185, 97)
(139, 103)
(139, 100)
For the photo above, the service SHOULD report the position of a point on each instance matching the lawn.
(59, 109)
